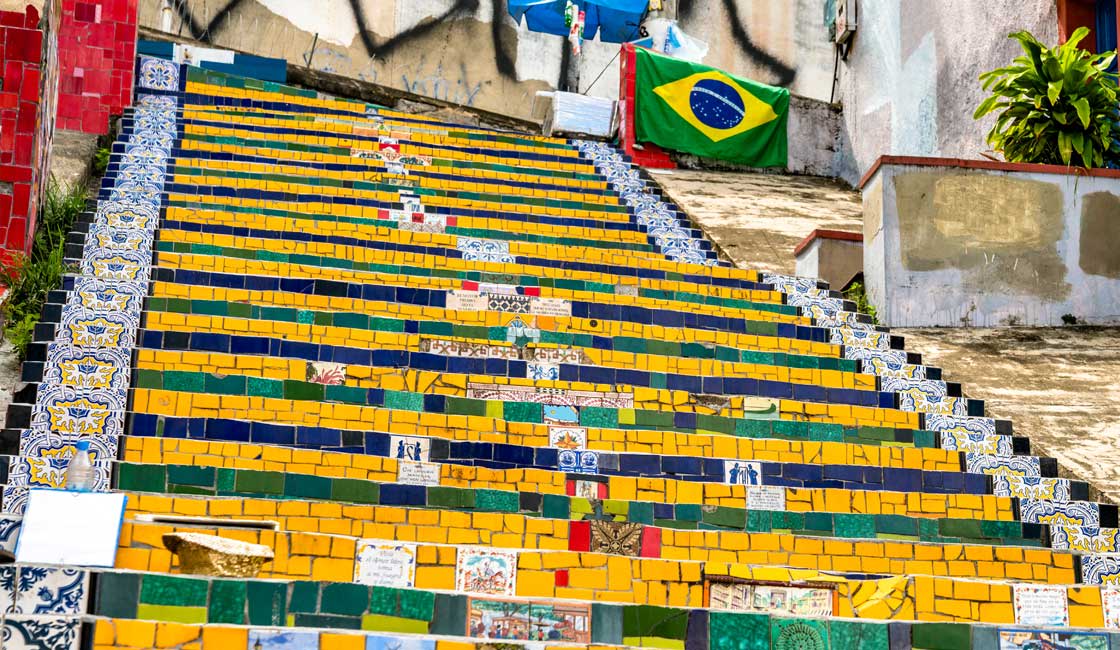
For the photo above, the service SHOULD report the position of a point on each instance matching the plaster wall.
(453, 50)
(947, 246)
(909, 85)
(447, 49)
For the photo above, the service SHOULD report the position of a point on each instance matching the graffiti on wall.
(373, 59)
(783, 74)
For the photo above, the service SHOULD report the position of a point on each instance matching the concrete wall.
(947, 245)
(447, 49)
(452, 50)
(909, 86)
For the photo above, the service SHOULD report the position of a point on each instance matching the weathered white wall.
(948, 246)
(447, 48)
(909, 85)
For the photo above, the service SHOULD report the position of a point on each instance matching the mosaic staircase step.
(618, 548)
(357, 333)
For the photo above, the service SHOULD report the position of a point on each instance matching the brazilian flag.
(699, 110)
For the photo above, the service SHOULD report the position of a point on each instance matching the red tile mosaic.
(97, 49)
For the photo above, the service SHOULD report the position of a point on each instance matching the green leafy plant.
(30, 277)
(1057, 105)
(100, 161)
(857, 293)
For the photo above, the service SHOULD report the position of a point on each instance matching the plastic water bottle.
(79, 473)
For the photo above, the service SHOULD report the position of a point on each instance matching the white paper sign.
(79, 528)
(412, 473)
(766, 497)
(385, 564)
(1110, 596)
(1045, 605)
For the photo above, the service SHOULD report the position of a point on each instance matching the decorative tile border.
(664, 228)
(87, 370)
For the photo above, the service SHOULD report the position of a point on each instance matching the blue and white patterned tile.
(9, 532)
(38, 442)
(150, 101)
(58, 396)
(130, 214)
(542, 371)
(889, 358)
(1031, 487)
(79, 416)
(50, 472)
(119, 239)
(46, 590)
(1068, 513)
(1087, 539)
(15, 499)
(1009, 465)
(578, 461)
(126, 189)
(883, 368)
(960, 424)
(109, 264)
(791, 284)
(40, 633)
(158, 74)
(990, 444)
(863, 338)
(105, 368)
(924, 396)
(98, 329)
(484, 250)
(1100, 570)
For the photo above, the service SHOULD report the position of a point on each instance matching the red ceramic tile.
(579, 536)
(30, 87)
(561, 577)
(14, 174)
(651, 542)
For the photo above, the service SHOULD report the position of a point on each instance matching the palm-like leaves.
(1056, 106)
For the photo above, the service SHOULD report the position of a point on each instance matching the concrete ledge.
(992, 165)
(951, 242)
(835, 256)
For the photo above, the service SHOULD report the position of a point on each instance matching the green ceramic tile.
(796, 634)
(305, 597)
(738, 631)
(156, 589)
(118, 594)
(141, 478)
(191, 475)
(267, 603)
(344, 599)
(256, 482)
(306, 486)
(227, 602)
(941, 636)
(848, 635)
(497, 500)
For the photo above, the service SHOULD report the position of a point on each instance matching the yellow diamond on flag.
(716, 105)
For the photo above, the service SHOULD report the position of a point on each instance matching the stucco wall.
(948, 246)
(447, 49)
(909, 86)
(451, 49)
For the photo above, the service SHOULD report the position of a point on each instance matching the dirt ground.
(758, 219)
(1059, 386)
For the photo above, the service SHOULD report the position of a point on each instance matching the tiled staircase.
(478, 388)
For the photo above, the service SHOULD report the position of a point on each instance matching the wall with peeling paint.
(455, 51)
(909, 85)
(950, 246)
